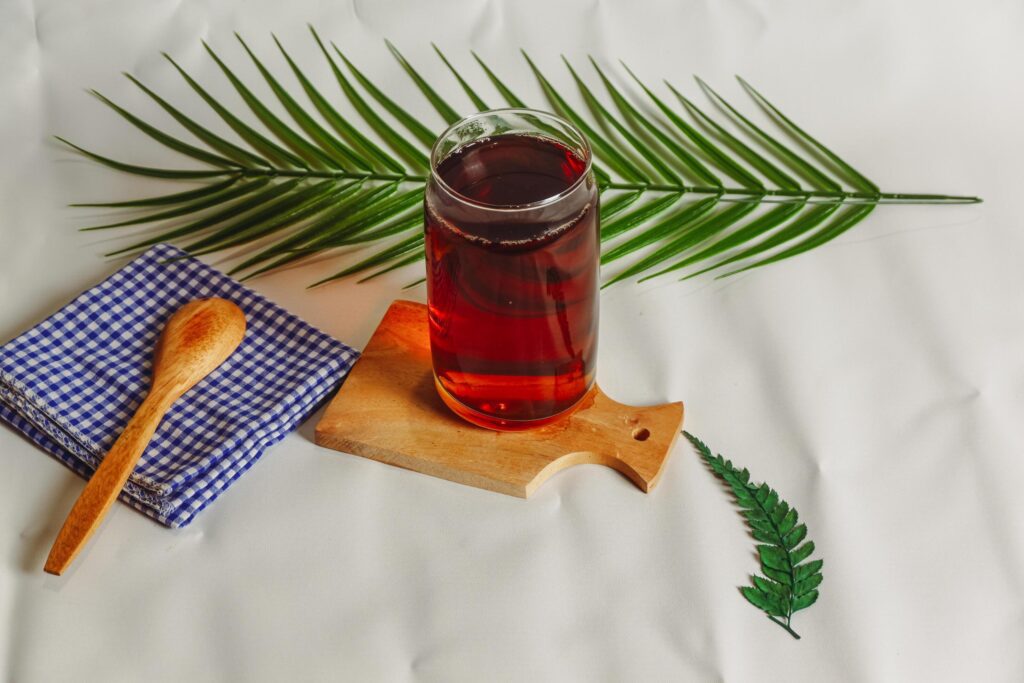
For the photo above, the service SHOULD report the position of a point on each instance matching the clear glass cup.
(513, 254)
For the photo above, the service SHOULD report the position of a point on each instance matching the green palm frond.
(790, 580)
(680, 193)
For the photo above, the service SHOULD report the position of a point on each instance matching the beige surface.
(878, 383)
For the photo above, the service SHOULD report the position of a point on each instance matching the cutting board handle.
(634, 439)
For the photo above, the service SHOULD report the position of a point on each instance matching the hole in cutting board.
(641, 433)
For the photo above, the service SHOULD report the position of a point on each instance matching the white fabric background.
(878, 382)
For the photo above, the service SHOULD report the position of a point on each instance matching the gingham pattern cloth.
(71, 383)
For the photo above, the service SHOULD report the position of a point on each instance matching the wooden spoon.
(198, 338)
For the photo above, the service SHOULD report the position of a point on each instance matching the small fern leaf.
(780, 590)
(793, 538)
(780, 513)
(771, 604)
(783, 577)
(802, 553)
(762, 493)
(789, 583)
(805, 571)
(805, 600)
(788, 522)
(807, 585)
(773, 557)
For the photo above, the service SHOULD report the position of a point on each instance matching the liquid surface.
(513, 293)
(511, 170)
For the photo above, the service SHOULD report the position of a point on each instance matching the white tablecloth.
(878, 382)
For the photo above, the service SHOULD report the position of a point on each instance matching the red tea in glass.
(513, 250)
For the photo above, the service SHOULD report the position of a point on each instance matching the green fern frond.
(790, 582)
(679, 192)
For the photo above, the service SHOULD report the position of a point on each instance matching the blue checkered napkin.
(72, 382)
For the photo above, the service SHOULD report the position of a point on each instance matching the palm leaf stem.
(844, 197)
(755, 193)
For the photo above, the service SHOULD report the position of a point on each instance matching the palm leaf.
(609, 207)
(769, 170)
(168, 140)
(449, 115)
(255, 198)
(335, 152)
(849, 217)
(230, 191)
(639, 215)
(336, 120)
(513, 101)
(855, 177)
(606, 150)
(290, 249)
(772, 219)
(688, 160)
(144, 170)
(314, 155)
(599, 111)
(662, 229)
(415, 257)
(509, 96)
(803, 223)
(466, 87)
(418, 130)
(410, 221)
(323, 180)
(700, 233)
(275, 153)
(733, 169)
(289, 210)
(165, 199)
(682, 239)
(397, 142)
(790, 583)
(214, 141)
(815, 176)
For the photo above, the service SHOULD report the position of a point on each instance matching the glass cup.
(512, 255)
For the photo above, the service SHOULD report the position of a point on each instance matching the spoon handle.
(105, 484)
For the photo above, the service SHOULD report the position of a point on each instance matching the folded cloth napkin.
(72, 382)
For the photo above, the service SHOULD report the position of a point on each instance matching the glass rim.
(584, 144)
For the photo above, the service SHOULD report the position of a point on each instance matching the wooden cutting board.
(389, 410)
